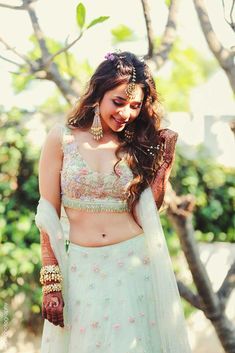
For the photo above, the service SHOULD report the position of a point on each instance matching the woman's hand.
(169, 138)
(52, 308)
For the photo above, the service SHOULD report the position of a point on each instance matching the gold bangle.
(55, 287)
(50, 273)
(50, 278)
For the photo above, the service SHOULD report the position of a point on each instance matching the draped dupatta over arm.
(169, 313)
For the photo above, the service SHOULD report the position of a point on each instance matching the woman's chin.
(118, 124)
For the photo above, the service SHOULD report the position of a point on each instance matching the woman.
(113, 290)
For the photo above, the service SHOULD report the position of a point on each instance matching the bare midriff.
(101, 228)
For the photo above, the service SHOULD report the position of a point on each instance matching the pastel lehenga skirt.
(110, 298)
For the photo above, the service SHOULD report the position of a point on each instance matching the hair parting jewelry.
(131, 87)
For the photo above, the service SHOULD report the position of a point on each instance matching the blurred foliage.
(214, 189)
(122, 33)
(211, 184)
(19, 237)
(185, 69)
(55, 104)
(67, 64)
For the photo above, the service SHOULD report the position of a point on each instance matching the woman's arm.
(49, 184)
(50, 166)
(49, 187)
(160, 181)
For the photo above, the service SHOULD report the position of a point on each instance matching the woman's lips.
(120, 122)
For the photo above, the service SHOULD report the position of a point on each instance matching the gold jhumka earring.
(96, 127)
(129, 134)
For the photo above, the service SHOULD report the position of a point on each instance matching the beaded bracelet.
(55, 287)
(50, 273)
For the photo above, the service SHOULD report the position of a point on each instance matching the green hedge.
(214, 189)
(19, 250)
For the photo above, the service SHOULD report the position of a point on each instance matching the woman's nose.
(125, 112)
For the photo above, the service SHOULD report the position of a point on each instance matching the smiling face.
(116, 110)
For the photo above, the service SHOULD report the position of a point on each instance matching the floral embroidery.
(96, 268)
(103, 274)
(83, 188)
(95, 324)
(146, 260)
(73, 268)
(120, 263)
(116, 326)
(131, 319)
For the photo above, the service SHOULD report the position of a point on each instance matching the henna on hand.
(159, 184)
(52, 308)
(48, 256)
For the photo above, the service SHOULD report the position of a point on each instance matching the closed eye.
(120, 104)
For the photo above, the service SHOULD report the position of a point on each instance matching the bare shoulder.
(56, 132)
(53, 142)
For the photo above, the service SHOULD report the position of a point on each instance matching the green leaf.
(122, 33)
(97, 20)
(81, 15)
(168, 3)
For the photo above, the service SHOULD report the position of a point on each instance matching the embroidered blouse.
(85, 189)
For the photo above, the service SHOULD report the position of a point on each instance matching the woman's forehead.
(120, 91)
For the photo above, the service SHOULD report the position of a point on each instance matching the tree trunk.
(209, 300)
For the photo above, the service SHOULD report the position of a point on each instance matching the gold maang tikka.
(96, 127)
(131, 87)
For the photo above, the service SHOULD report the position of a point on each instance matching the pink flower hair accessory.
(109, 56)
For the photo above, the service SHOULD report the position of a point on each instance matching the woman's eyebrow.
(124, 99)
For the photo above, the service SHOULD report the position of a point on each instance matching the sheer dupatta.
(169, 313)
(47, 219)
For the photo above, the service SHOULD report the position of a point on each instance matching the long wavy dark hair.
(144, 153)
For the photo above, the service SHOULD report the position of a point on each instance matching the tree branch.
(231, 24)
(209, 301)
(214, 44)
(182, 222)
(159, 58)
(13, 50)
(227, 286)
(63, 50)
(188, 295)
(10, 61)
(37, 31)
(224, 56)
(149, 27)
(21, 7)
